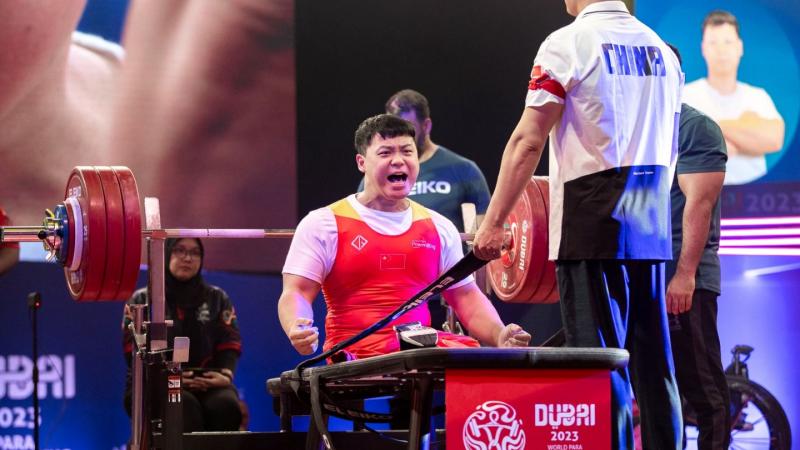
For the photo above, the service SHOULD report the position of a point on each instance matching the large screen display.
(244, 180)
(759, 116)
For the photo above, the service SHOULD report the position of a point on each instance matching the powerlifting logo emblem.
(359, 242)
(493, 426)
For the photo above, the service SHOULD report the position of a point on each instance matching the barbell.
(96, 235)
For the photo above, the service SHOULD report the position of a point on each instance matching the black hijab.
(187, 294)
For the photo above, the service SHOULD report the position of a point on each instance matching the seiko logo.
(430, 187)
(359, 242)
(564, 414)
(56, 376)
(493, 426)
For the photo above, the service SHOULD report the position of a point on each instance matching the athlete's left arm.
(479, 317)
(753, 135)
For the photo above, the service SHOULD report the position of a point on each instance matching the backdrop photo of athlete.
(750, 123)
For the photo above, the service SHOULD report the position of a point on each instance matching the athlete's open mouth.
(397, 177)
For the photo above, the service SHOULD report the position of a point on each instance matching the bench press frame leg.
(420, 430)
(314, 437)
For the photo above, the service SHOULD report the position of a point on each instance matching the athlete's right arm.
(296, 314)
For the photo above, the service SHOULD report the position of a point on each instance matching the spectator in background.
(203, 313)
(693, 275)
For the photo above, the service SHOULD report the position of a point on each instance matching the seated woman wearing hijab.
(203, 313)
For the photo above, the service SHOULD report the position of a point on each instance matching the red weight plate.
(522, 247)
(505, 278)
(132, 240)
(85, 281)
(512, 277)
(547, 291)
(115, 231)
(537, 229)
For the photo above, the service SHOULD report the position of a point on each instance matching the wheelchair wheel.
(759, 422)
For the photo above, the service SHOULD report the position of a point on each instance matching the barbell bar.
(96, 235)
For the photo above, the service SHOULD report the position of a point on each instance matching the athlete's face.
(390, 167)
(722, 48)
(185, 259)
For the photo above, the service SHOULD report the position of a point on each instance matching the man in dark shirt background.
(694, 275)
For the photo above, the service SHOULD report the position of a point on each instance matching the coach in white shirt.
(609, 89)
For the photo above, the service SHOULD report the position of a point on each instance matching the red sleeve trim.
(548, 84)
